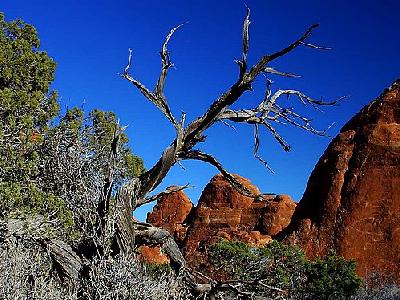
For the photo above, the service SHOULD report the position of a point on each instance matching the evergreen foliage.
(49, 167)
(26, 107)
(332, 277)
(279, 269)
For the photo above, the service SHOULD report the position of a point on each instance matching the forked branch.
(245, 44)
(157, 97)
(259, 67)
(169, 190)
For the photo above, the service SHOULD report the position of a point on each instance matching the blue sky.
(90, 41)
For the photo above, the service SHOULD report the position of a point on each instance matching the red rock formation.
(352, 200)
(220, 193)
(222, 212)
(277, 214)
(170, 212)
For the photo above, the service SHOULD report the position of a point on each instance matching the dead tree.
(268, 112)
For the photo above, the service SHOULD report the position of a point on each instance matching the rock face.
(222, 212)
(277, 214)
(170, 213)
(352, 200)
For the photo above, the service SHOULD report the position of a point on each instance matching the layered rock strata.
(222, 212)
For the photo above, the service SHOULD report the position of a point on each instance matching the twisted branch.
(157, 97)
(169, 190)
(181, 148)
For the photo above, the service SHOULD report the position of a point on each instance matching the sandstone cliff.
(224, 212)
(352, 200)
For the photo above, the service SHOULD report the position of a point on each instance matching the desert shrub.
(234, 257)
(274, 270)
(377, 286)
(27, 272)
(385, 292)
(126, 278)
(283, 270)
(332, 277)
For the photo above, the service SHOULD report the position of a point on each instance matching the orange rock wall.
(352, 200)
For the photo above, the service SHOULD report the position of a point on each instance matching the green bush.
(234, 258)
(155, 270)
(286, 269)
(332, 277)
(51, 164)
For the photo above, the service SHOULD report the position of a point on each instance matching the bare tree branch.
(285, 145)
(157, 97)
(141, 87)
(103, 206)
(258, 67)
(157, 236)
(245, 41)
(303, 98)
(153, 177)
(309, 45)
(276, 72)
(256, 146)
(166, 65)
(125, 230)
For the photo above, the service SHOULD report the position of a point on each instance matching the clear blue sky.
(90, 39)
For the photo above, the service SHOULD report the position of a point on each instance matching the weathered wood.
(68, 261)
(34, 229)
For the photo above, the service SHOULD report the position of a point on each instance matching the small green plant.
(234, 258)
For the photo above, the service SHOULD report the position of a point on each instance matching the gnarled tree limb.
(157, 97)
(266, 113)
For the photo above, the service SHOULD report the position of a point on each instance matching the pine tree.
(26, 107)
